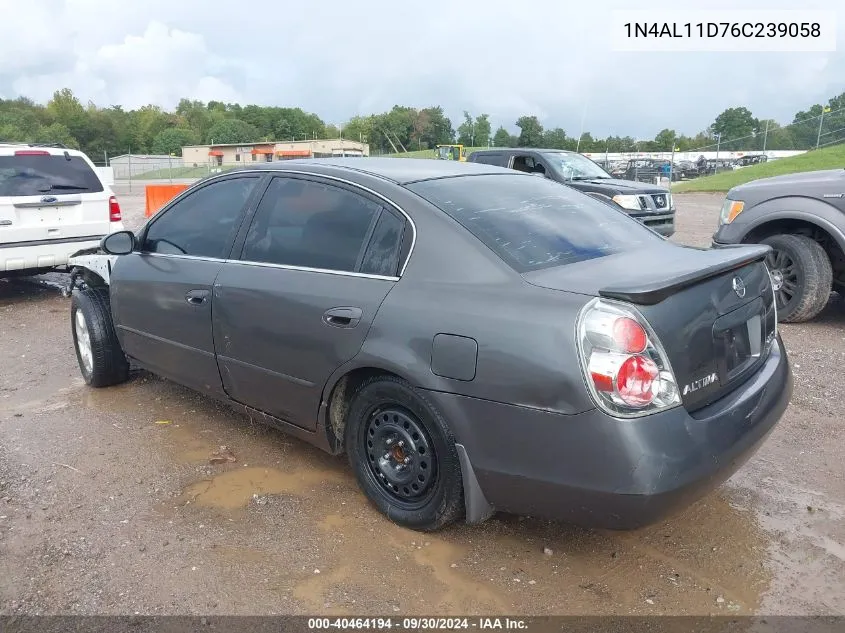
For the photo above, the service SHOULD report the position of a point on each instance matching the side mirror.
(120, 243)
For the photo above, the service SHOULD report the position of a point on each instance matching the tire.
(807, 276)
(102, 361)
(426, 492)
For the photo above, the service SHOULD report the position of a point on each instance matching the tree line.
(100, 131)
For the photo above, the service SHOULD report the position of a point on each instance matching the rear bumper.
(597, 471)
(43, 254)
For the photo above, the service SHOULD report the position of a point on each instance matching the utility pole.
(718, 143)
(765, 135)
(821, 120)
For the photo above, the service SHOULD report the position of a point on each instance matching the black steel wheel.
(801, 274)
(401, 457)
(404, 455)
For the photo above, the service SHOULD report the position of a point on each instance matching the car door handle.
(197, 297)
(343, 317)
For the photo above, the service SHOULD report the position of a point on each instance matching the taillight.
(114, 210)
(31, 152)
(625, 367)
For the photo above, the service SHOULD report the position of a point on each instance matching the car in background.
(473, 338)
(749, 159)
(642, 170)
(801, 217)
(52, 204)
(685, 169)
(650, 204)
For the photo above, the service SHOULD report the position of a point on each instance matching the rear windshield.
(37, 175)
(534, 223)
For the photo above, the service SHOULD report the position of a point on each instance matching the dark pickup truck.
(650, 204)
(801, 217)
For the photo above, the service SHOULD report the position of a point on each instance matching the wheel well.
(341, 399)
(808, 229)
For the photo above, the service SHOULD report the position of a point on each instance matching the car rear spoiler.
(656, 287)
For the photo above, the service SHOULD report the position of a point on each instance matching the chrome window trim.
(312, 270)
(344, 181)
(270, 265)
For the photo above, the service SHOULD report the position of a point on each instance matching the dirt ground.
(109, 505)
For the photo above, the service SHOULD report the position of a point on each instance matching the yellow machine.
(450, 152)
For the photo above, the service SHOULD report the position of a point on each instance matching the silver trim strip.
(269, 265)
(191, 257)
(312, 270)
(355, 185)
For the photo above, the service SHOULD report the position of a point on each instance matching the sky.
(341, 58)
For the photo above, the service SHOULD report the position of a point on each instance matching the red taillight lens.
(635, 381)
(114, 210)
(629, 335)
(626, 369)
(31, 152)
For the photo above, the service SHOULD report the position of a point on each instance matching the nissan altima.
(473, 338)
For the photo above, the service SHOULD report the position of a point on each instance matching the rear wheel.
(403, 455)
(801, 276)
(101, 360)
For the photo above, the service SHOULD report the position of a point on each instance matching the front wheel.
(802, 276)
(404, 455)
(101, 359)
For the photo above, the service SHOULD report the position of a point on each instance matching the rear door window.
(40, 174)
(310, 224)
(535, 223)
(382, 254)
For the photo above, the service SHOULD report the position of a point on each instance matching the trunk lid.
(713, 310)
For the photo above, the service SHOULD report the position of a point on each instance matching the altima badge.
(700, 383)
(739, 287)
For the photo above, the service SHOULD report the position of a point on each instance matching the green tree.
(56, 133)
(232, 131)
(172, 140)
(466, 130)
(665, 139)
(530, 131)
(503, 138)
(555, 139)
(64, 108)
(482, 130)
(439, 128)
(736, 127)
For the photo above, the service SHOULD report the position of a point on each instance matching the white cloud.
(338, 58)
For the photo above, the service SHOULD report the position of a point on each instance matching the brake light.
(31, 152)
(114, 210)
(629, 335)
(625, 367)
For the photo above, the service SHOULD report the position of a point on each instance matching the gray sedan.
(473, 338)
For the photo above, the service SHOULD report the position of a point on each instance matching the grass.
(826, 158)
(180, 172)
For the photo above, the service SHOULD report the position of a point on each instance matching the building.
(131, 165)
(218, 155)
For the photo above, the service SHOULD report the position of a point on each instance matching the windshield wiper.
(590, 178)
(66, 187)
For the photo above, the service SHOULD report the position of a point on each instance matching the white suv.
(52, 204)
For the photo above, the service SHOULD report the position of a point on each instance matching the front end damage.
(89, 268)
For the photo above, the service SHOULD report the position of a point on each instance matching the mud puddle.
(236, 488)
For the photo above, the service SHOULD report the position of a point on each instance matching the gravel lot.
(109, 505)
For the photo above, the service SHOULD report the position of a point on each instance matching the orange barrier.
(159, 195)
